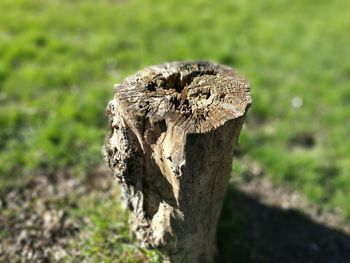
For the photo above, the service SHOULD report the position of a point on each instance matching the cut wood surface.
(173, 131)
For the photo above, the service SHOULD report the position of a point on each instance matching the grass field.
(59, 60)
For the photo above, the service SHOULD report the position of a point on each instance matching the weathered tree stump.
(173, 131)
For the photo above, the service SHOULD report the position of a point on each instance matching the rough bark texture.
(173, 131)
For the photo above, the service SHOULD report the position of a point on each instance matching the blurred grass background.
(60, 58)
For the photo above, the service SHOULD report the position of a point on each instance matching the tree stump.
(173, 131)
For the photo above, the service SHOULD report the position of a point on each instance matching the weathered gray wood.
(173, 131)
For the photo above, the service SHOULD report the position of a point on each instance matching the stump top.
(194, 96)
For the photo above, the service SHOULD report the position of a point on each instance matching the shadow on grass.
(250, 231)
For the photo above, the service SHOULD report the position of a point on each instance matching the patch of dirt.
(286, 198)
(277, 224)
(261, 222)
(35, 219)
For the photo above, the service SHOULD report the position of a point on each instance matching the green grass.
(105, 236)
(59, 60)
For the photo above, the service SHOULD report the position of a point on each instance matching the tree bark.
(173, 131)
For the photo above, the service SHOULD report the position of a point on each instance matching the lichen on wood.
(173, 128)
